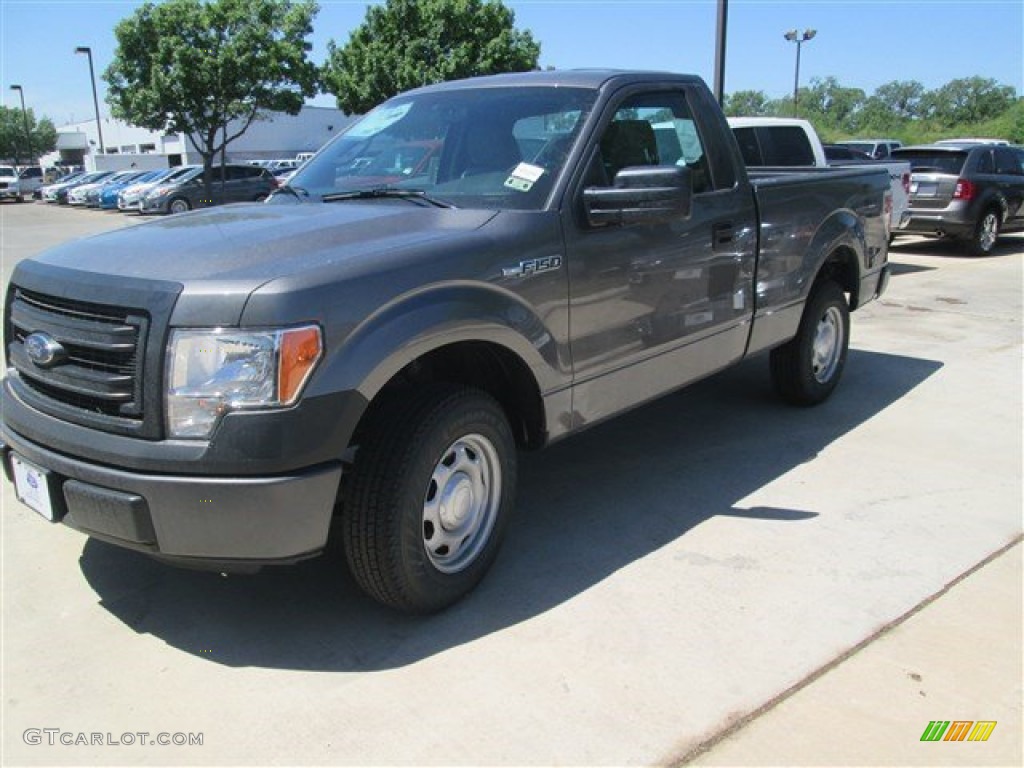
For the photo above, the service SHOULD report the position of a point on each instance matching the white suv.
(9, 185)
(30, 179)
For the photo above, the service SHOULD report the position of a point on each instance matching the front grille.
(100, 369)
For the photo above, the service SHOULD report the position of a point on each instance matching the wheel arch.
(839, 252)
(488, 367)
(467, 334)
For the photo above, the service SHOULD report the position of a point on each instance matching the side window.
(654, 129)
(786, 145)
(749, 148)
(985, 163)
(1007, 162)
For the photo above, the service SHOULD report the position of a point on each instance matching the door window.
(653, 129)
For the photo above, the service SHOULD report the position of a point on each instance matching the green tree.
(12, 135)
(404, 44)
(747, 104)
(195, 67)
(827, 102)
(901, 98)
(967, 100)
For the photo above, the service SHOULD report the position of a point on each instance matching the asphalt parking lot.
(667, 575)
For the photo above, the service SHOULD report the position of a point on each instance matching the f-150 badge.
(533, 266)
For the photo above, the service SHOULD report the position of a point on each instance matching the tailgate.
(931, 190)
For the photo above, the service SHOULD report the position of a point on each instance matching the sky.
(862, 43)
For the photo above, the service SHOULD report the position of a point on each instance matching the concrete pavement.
(957, 657)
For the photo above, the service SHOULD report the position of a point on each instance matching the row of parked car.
(170, 190)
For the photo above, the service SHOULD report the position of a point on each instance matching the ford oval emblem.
(44, 350)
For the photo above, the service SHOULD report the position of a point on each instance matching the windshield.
(479, 147)
(923, 160)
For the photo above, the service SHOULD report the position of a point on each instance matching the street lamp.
(24, 114)
(95, 101)
(796, 37)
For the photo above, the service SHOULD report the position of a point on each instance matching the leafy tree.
(968, 100)
(901, 98)
(404, 44)
(193, 67)
(1009, 125)
(902, 110)
(12, 135)
(747, 104)
(826, 101)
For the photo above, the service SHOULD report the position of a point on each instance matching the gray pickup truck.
(471, 269)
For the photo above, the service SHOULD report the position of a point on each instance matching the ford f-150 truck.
(218, 388)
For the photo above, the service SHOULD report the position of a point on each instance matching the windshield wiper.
(297, 192)
(381, 192)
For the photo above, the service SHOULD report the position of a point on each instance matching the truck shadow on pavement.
(587, 507)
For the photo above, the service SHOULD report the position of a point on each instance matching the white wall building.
(277, 137)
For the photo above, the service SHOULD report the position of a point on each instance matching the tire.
(178, 205)
(986, 232)
(426, 504)
(259, 198)
(807, 369)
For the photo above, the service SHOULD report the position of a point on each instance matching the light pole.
(95, 101)
(796, 37)
(24, 114)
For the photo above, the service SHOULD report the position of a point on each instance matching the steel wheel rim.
(989, 232)
(827, 348)
(461, 503)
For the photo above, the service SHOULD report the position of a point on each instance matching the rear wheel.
(178, 205)
(807, 369)
(985, 234)
(425, 506)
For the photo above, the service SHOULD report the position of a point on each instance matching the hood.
(232, 250)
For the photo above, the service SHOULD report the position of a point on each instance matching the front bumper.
(11, 192)
(154, 205)
(212, 522)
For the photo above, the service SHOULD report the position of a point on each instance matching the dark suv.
(969, 192)
(242, 183)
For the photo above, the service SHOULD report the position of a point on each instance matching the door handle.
(721, 234)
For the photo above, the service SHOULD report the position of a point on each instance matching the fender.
(781, 295)
(426, 319)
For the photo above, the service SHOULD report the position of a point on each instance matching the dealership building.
(278, 136)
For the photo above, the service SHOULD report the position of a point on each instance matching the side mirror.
(641, 194)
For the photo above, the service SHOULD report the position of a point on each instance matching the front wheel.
(807, 369)
(425, 506)
(178, 205)
(985, 234)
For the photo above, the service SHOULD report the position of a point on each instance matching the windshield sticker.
(378, 120)
(523, 177)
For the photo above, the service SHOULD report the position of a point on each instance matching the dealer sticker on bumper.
(31, 486)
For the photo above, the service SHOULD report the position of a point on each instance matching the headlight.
(211, 372)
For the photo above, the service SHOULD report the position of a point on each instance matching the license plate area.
(34, 487)
(924, 189)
